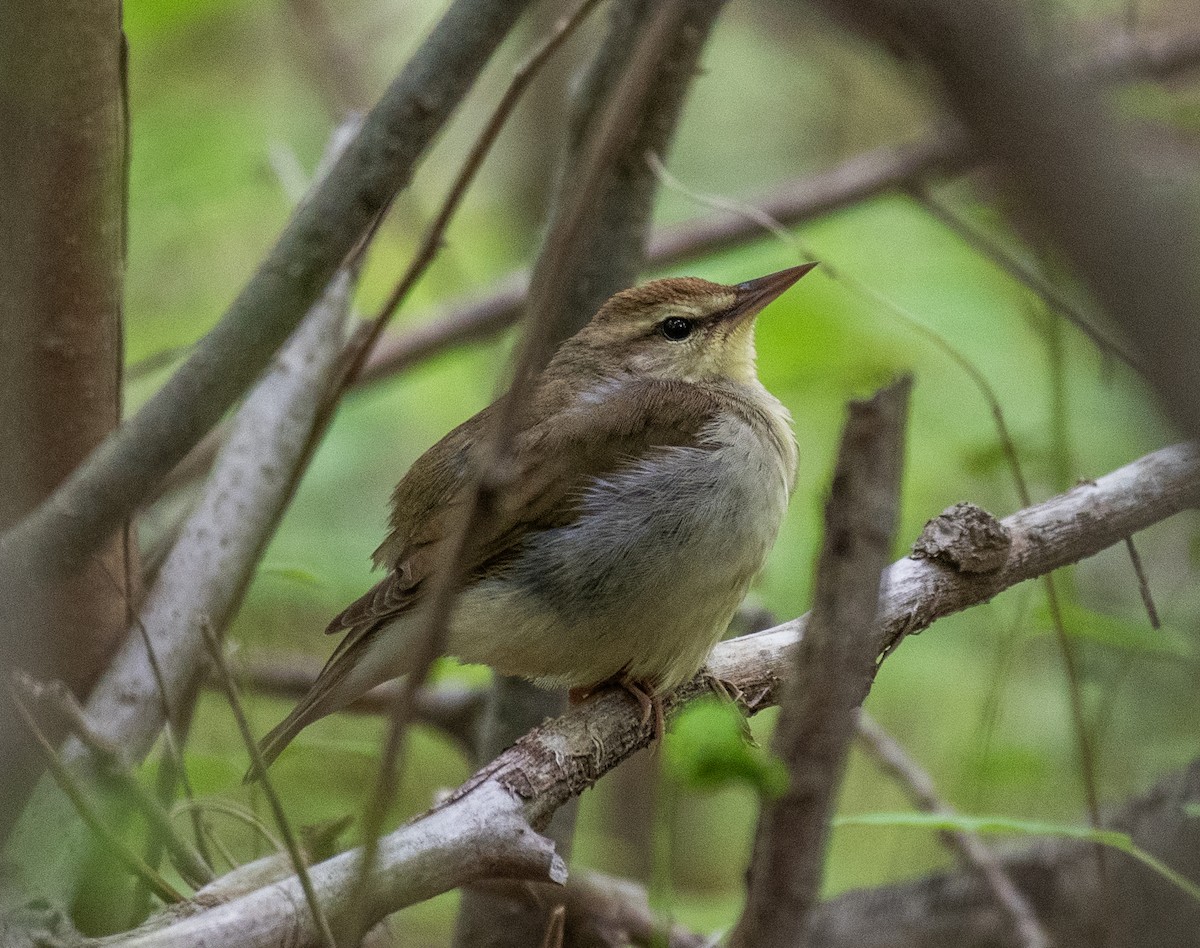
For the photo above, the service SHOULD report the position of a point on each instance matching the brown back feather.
(555, 462)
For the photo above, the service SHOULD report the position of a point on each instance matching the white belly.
(646, 581)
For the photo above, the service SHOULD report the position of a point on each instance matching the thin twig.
(70, 785)
(1143, 584)
(1026, 275)
(606, 138)
(892, 759)
(194, 868)
(523, 75)
(260, 770)
(246, 816)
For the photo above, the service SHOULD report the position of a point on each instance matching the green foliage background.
(223, 95)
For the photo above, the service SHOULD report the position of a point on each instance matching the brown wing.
(555, 461)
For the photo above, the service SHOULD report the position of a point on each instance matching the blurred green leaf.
(1131, 635)
(1006, 826)
(1192, 810)
(708, 750)
(293, 572)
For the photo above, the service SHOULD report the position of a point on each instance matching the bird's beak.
(754, 295)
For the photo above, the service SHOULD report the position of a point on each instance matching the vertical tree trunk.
(62, 235)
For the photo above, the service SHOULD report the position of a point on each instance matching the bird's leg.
(651, 703)
(643, 692)
(735, 696)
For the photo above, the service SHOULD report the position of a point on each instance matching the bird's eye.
(675, 328)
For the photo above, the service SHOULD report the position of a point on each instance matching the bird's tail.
(308, 710)
(335, 687)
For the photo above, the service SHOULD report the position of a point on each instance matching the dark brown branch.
(835, 664)
(482, 496)
(102, 493)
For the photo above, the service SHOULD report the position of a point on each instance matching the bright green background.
(223, 94)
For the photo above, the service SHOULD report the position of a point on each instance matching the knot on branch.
(966, 538)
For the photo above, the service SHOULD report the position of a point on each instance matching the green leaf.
(708, 749)
(293, 572)
(1115, 632)
(1192, 810)
(1006, 826)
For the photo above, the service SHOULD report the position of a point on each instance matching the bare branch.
(835, 664)
(892, 759)
(482, 830)
(447, 848)
(603, 252)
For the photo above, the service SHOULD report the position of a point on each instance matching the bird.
(650, 470)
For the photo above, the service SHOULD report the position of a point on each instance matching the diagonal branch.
(560, 760)
(103, 492)
(891, 758)
(604, 254)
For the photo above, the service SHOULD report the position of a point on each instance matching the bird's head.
(684, 328)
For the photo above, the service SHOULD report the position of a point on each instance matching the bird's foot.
(643, 692)
(735, 696)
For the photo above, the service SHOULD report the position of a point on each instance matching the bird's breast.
(650, 573)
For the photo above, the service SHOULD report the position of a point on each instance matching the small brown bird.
(652, 472)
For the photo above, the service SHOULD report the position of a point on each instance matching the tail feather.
(271, 746)
(323, 698)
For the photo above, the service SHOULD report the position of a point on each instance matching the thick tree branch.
(62, 240)
(566, 756)
(835, 665)
(60, 535)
